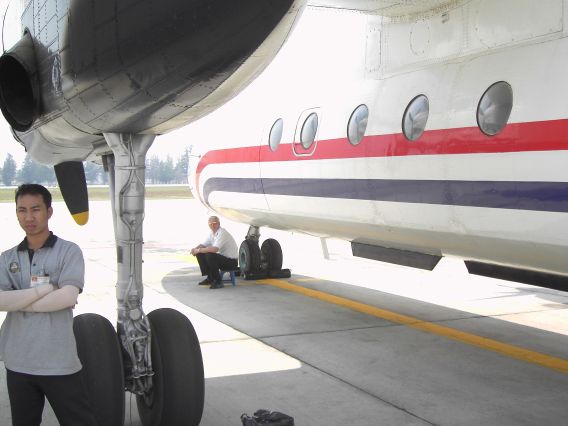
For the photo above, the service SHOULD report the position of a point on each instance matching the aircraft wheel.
(100, 353)
(178, 392)
(249, 258)
(272, 254)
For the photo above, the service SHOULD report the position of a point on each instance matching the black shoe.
(206, 281)
(217, 284)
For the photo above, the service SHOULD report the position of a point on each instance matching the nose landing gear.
(261, 262)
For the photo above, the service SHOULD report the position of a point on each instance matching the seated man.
(218, 251)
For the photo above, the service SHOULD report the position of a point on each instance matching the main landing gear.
(264, 262)
(157, 356)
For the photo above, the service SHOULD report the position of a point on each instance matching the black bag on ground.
(266, 417)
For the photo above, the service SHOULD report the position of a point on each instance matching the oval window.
(415, 117)
(495, 108)
(275, 134)
(309, 130)
(357, 124)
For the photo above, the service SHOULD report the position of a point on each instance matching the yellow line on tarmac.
(511, 351)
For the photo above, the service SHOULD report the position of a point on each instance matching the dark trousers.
(211, 263)
(66, 394)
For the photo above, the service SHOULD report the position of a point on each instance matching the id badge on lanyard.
(39, 280)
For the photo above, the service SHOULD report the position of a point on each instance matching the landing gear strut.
(263, 262)
(162, 359)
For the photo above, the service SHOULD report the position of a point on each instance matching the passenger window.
(309, 130)
(275, 136)
(494, 108)
(415, 117)
(357, 124)
(306, 133)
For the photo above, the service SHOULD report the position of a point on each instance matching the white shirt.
(224, 242)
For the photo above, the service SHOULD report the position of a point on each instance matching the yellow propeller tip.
(81, 218)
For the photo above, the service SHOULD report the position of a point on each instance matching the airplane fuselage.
(486, 186)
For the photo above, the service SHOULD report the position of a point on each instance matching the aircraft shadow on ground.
(352, 365)
(259, 310)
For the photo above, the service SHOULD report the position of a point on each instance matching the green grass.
(98, 193)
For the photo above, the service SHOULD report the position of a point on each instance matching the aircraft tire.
(272, 254)
(100, 353)
(178, 392)
(249, 258)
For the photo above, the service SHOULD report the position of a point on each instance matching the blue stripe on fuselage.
(537, 196)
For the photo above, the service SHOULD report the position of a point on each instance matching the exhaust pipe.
(19, 87)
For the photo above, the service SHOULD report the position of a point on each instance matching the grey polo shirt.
(41, 343)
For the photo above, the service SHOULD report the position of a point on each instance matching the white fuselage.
(454, 191)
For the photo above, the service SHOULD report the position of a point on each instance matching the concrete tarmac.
(344, 341)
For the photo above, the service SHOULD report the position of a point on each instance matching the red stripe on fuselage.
(517, 137)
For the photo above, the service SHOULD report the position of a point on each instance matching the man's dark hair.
(34, 189)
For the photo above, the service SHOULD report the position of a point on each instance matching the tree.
(94, 173)
(152, 169)
(182, 166)
(167, 171)
(36, 173)
(9, 170)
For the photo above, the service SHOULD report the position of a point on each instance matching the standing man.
(218, 251)
(40, 280)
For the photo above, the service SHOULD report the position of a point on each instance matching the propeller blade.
(73, 185)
